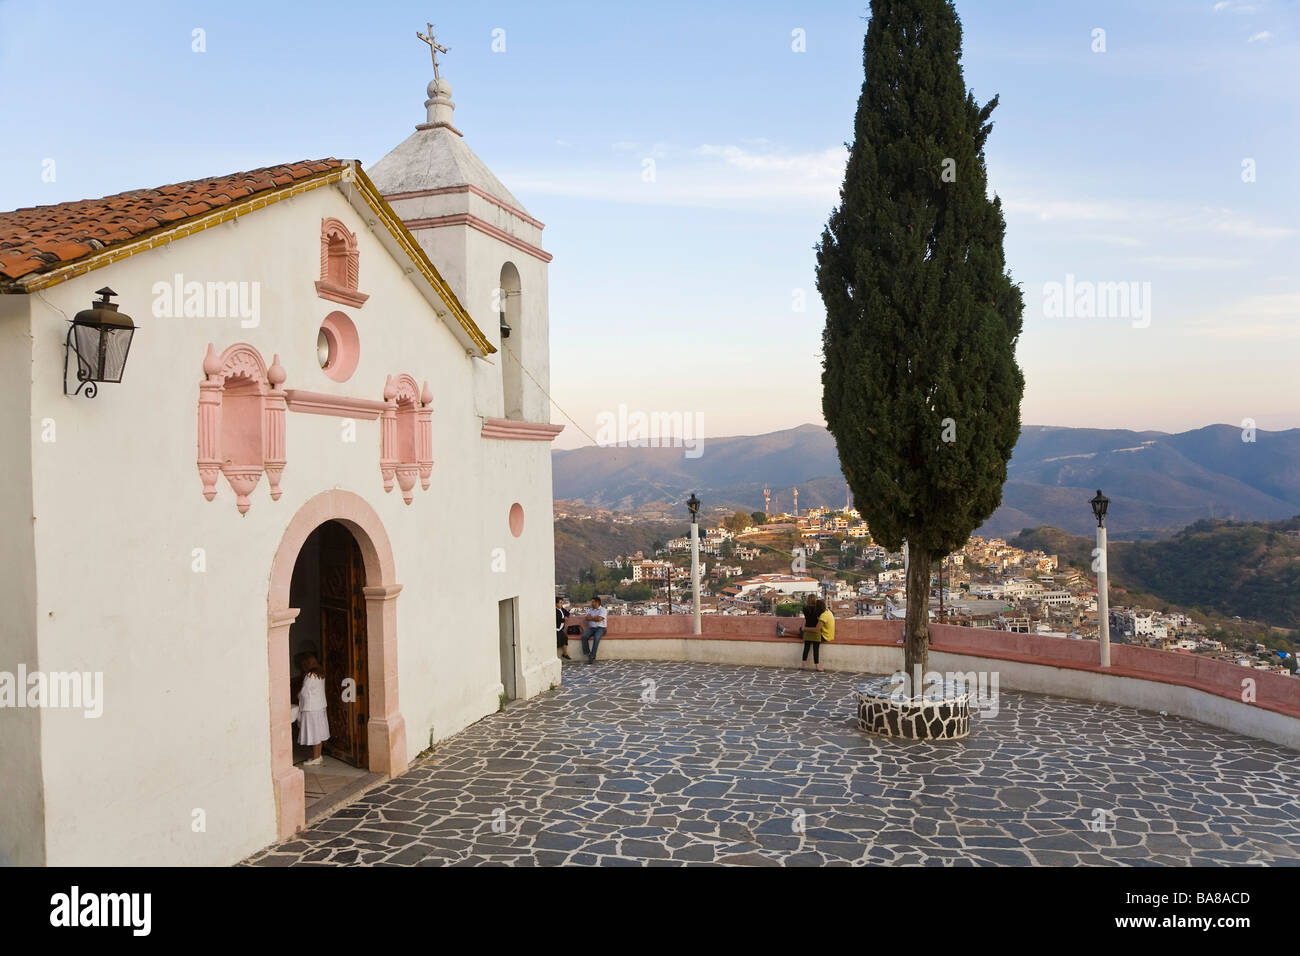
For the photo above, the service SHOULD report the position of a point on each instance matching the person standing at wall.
(813, 638)
(561, 636)
(595, 620)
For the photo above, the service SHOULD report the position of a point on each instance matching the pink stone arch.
(386, 729)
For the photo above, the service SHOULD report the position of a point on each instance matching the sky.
(685, 157)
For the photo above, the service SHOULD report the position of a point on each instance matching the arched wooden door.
(343, 644)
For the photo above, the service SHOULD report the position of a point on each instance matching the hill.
(1234, 568)
(1158, 483)
(582, 542)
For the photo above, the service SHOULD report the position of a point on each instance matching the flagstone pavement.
(635, 763)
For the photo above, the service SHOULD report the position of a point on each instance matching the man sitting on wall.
(595, 620)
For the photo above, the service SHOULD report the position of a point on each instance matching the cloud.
(826, 165)
(1269, 315)
(708, 175)
(1240, 227)
(1071, 210)
(1139, 215)
(1111, 239)
(1262, 35)
(1193, 263)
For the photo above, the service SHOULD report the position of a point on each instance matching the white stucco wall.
(184, 654)
(22, 831)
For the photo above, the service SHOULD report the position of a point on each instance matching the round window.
(337, 347)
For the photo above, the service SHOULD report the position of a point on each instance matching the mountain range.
(1158, 482)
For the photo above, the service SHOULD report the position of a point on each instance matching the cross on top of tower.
(434, 48)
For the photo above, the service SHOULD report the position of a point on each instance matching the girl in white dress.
(313, 725)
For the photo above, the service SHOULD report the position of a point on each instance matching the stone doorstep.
(343, 796)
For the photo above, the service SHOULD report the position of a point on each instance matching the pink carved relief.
(273, 453)
(424, 436)
(508, 429)
(342, 406)
(210, 422)
(406, 449)
(388, 435)
(241, 430)
(340, 265)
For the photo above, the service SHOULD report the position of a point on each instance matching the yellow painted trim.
(349, 171)
(394, 224)
(189, 227)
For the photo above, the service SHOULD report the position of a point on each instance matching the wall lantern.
(1099, 506)
(100, 337)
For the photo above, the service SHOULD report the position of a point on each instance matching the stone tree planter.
(940, 712)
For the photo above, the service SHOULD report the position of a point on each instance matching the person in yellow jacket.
(812, 639)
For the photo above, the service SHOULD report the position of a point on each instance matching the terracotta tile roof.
(40, 238)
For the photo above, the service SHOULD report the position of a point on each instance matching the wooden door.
(343, 644)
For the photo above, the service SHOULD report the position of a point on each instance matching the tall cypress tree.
(920, 383)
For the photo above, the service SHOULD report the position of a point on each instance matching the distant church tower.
(486, 246)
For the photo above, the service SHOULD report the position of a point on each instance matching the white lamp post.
(1099, 505)
(694, 505)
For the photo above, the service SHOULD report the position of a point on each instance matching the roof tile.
(40, 238)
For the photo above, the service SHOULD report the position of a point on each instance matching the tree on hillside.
(757, 518)
(920, 384)
(737, 522)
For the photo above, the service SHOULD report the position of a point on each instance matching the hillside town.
(763, 564)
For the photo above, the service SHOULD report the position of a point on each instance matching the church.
(259, 428)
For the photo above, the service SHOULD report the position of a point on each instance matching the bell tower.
(484, 243)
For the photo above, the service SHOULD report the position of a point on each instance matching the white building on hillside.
(781, 583)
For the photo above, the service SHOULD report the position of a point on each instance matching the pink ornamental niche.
(340, 265)
(516, 519)
(406, 435)
(241, 422)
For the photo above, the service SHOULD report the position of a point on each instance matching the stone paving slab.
(636, 763)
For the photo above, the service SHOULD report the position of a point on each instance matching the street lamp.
(1099, 506)
(693, 505)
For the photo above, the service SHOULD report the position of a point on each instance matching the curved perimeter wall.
(1188, 685)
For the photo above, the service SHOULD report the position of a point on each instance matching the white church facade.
(331, 436)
